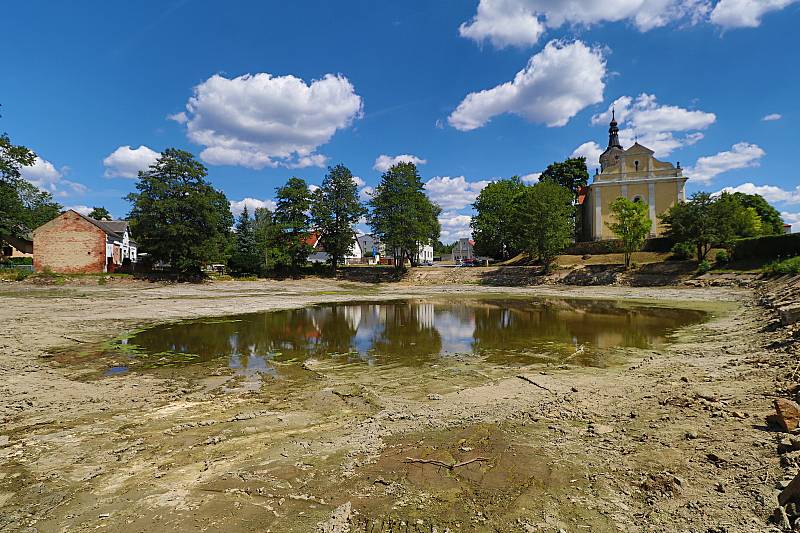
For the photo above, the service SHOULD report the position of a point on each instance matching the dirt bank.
(671, 440)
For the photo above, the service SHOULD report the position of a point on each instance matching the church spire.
(613, 131)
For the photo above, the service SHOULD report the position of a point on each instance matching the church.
(634, 174)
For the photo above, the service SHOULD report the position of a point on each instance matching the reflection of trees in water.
(419, 331)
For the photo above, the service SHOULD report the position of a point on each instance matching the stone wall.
(69, 244)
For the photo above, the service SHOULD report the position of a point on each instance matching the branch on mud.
(529, 380)
(442, 463)
(73, 339)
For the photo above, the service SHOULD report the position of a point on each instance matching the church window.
(637, 198)
(636, 164)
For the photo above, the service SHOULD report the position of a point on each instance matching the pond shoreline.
(617, 450)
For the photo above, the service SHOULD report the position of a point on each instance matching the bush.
(703, 267)
(783, 268)
(722, 257)
(20, 260)
(683, 251)
(770, 247)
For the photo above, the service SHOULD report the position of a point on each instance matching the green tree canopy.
(402, 216)
(547, 217)
(23, 206)
(335, 209)
(291, 214)
(100, 213)
(771, 221)
(570, 173)
(632, 225)
(246, 258)
(496, 224)
(177, 216)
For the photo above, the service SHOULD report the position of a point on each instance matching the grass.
(783, 268)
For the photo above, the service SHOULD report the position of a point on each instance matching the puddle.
(413, 333)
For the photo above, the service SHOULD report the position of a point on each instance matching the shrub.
(770, 247)
(783, 268)
(722, 257)
(703, 267)
(683, 251)
(21, 275)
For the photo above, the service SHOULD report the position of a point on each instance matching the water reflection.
(415, 332)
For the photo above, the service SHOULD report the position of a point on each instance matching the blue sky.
(262, 91)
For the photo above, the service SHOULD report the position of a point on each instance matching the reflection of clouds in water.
(457, 331)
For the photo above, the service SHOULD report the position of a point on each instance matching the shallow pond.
(417, 332)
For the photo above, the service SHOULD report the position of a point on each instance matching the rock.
(339, 522)
(791, 493)
(787, 414)
(691, 435)
(789, 315)
(435, 397)
(601, 429)
(3, 441)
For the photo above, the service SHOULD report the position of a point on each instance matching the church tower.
(614, 150)
(634, 174)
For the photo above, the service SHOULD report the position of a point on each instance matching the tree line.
(179, 218)
(541, 220)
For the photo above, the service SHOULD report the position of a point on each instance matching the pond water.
(417, 332)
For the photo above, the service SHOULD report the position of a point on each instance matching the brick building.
(73, 243)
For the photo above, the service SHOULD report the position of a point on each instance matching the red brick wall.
(69, 244)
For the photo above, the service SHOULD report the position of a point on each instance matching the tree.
(401, 215)
(546, 213)
(38, 205)
(245, 258)
(692, 222)
(177, 216)
(570, 173)
(771, 221)
(100, 213)
(12, 209)
(291, 214)
(334, 210)
(632, 225)
(496, 226)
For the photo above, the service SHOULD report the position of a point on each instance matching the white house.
(319, 255)
(464, 250)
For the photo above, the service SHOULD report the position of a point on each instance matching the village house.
(319, 255)
(464, 250)
(74, 243)
(13, 247)
(631, 173)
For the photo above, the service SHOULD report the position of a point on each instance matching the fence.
(11, 266)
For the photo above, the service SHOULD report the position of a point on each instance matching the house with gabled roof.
(74, 243)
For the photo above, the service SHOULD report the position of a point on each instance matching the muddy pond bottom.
(415, 333)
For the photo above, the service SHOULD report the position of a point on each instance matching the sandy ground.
(668, 440)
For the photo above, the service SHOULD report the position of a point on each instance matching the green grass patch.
(783, 268)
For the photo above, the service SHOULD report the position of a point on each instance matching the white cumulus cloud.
(522, 22)
(662, 128)
(47, 177)
(772, 117)
(745, 13)
(126, 162)
(771, 193)
(252, 204)
(384, 162)
(591, 151)
(557, 83)
(531, 178)
(261, 120)
(741, 155)
(82, 209)
(453, 193)
(793, 219)
(454, 226)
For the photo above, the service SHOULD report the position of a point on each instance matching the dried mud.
(669, 439)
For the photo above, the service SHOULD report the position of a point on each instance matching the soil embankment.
(671, 439)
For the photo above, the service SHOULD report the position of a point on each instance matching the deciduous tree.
(100, 213)
(570, 173)
(335, 209)
(496, 224)
(291, 214)
(401, 215)
(547, 221)
(177, 216)
(632, 225)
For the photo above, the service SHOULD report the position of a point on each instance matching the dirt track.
(672, 440)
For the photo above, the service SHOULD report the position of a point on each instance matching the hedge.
(771, 247)
(614, 246)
